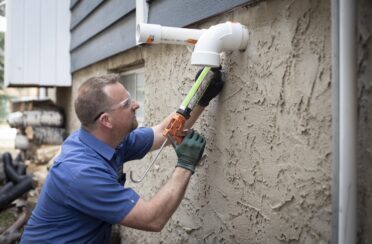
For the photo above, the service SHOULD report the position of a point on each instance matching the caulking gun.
(175, 129)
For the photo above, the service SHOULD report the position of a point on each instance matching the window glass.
(134, 82)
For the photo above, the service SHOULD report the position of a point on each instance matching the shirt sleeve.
(136, 144)
(96, 192)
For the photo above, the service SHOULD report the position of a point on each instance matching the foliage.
(2, 41)
(2, 7)
(3, 107)
(3, 97)
(7, 217)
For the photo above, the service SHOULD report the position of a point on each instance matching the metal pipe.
(335, 117)
(348, 123)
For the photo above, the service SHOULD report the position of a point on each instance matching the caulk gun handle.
(175, 127)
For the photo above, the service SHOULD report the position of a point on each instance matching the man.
(83, 194)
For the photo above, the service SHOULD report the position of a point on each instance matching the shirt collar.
(100, 147)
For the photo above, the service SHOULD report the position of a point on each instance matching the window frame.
(136, 71)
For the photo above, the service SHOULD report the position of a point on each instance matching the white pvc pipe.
(348, 123)
(222, 37)
(151, 33)
(142, 12)
(209, 43)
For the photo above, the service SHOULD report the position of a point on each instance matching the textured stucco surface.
(364, 121)
(266, 173)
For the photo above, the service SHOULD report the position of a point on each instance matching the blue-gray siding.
(101, 29)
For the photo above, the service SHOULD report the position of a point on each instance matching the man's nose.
(135, 105)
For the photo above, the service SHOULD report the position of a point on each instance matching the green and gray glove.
(215, 86)
(190, 150)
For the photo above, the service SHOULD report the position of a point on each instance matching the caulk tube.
(200, 92)
(194, 94)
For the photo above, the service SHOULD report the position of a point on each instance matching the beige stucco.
(266, 174)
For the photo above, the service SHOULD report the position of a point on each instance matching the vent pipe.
(222, 37)
(155, 34)
(208, 43)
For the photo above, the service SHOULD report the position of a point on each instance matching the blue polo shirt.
(83, 193)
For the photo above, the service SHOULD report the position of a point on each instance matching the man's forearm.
(170, 196)
(154, 214)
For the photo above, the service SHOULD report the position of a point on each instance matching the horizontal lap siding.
(109, 13)
(110, 28)
(82, 10)
(180, 13)
(117, 38)
(73, 3)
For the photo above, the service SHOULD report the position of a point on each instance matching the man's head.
(103, 101)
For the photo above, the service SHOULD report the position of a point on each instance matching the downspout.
(335, 117)
(348, 123)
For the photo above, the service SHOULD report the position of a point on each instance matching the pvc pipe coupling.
(208, 43)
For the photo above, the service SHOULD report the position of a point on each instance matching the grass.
(7, 218)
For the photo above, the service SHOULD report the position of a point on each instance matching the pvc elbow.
(222, 37)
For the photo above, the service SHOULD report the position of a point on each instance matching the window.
(134, 82)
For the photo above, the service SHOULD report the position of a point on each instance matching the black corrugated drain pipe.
(21, 183)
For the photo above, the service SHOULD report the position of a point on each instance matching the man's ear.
(105, 120)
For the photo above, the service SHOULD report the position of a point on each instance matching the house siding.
(97, 21)
(37, 43)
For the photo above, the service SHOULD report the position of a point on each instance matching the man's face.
(122, 110)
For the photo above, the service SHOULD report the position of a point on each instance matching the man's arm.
(154, 214)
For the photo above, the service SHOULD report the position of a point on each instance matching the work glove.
(215, 86)
(190, 150)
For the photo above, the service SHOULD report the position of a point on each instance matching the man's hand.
(190, 150)
(214, 87)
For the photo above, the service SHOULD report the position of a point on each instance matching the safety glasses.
(125, 104)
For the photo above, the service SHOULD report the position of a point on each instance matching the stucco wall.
(267, 170)
(364, 121)
(266, 173)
